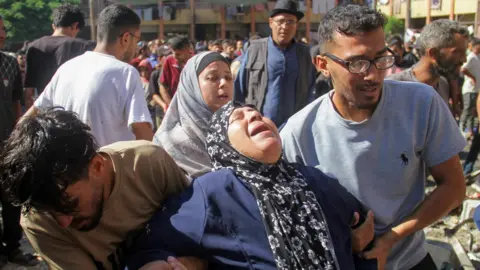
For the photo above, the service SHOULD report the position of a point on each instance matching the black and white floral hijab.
(294, 221)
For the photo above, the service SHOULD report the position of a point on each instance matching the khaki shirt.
(145, 175)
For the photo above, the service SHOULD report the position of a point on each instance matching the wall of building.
(419, 8)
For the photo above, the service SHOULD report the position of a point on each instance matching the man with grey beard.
(442, 46)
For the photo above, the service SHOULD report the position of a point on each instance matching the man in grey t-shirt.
(442, 87)
(378, 138)
(442, 47)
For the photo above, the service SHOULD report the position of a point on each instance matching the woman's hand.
(364, 234)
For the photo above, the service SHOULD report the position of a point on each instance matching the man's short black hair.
(114, 21)
(179, 43)
(395, 41)
(475, 41)
(217, 42)
(349, 20)
(42, 157)
(229, 42)
(66, 15)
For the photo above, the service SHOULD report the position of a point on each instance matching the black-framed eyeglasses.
(362, 65)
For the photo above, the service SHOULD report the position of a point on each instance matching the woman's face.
(254, 136)
(216, 84)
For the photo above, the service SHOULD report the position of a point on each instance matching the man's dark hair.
(229, 42)
(349, 20)
(42, 157)
(66, 15)
(475, 41)
(114, 21)
(395, 41)
(179, 43)
(217, 42)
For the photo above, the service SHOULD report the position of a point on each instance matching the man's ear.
(322, 65)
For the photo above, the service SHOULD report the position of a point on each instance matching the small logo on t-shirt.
(5, 82)
(404, 158)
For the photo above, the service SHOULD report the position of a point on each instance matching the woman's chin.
(271, 149)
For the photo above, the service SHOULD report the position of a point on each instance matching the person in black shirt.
(10, 111)
(47, 54)
(403, 59)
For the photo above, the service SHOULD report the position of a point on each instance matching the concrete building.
(424, 11)
(212, 19)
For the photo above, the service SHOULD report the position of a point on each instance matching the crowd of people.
(265, 154)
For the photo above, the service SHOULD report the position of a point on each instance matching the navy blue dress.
(217, 219)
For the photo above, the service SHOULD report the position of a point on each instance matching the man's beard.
(94, 219)
(444, 68)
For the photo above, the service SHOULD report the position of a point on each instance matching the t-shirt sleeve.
(17, 85)
(54, 245)
(468, 65)
(168, 178)
(291, 149)
(443, 139)
(153, 83)
(166, 76)
(31, 80)
(136, 106)
(175, 230)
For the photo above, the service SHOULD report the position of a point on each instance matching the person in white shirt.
(100, 86)
(471, 85)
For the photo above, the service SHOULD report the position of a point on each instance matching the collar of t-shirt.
(352, 124)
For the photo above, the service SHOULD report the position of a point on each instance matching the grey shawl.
(183, 130)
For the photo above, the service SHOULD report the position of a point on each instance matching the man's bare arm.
(467, 73)
(142, 131)
(164, 94)
(158, 100)
(29, 93)
(17, 109)
(449, 193)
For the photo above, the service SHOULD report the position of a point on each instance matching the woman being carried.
(255, 211)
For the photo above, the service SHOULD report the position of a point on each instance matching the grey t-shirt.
(383, 160)
(443, 88)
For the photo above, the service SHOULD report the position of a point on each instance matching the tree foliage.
(28, 19)
(394, 26)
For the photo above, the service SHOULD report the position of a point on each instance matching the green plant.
(394, 26)
(29, 19)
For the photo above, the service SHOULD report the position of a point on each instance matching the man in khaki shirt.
(82, 205)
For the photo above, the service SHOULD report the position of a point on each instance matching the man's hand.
(157, 265)
(381, 249)
(176, 264)
(364, 234)
(172, 263)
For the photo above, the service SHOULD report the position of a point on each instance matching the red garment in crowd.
(135, 62)
(171, 74)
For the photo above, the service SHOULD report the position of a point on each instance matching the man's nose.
(64, 221)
